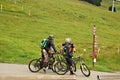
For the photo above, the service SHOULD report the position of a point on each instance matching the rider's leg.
(45, 61)
(70, 66)
(49, 57)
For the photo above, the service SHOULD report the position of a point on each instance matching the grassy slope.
(20, 33)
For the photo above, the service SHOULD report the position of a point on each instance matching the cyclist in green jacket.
(46, 46)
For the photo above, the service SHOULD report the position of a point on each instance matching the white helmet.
(68, 40)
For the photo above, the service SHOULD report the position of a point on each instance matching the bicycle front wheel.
(61, 68)
(34, 65)
(85, 70)
(74, 67)
(53, 66)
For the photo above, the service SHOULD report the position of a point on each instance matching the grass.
(21, 33)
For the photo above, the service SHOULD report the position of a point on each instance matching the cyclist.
(46, 50)
(68, 48)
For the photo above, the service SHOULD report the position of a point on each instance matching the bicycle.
(36, 65)
(61, 67)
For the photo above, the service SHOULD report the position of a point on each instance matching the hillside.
(23, 24)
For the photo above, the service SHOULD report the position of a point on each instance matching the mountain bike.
(37, 64)
(61, 67)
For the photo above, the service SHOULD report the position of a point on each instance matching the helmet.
(51, 37)
(68, 40)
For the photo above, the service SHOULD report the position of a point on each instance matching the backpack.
(43, 43)
(68, 51)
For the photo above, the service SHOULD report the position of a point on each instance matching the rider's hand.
(55, 53)
(74, 50)
(64, 53)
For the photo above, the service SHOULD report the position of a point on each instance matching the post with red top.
(95, 47)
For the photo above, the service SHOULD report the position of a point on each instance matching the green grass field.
(23, 24)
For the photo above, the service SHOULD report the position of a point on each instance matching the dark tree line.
(95, 2)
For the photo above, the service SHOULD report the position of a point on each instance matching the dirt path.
(18, 69)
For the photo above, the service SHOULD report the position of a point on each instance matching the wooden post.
(22, 8)
(1, 7)
(15, 1)
(118, 50)
(95, 46)
(113, 5)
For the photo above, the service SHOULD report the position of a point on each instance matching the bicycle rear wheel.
(85, 70)
(61, 68)
(34, 65)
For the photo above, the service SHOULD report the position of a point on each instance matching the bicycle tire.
(74, 67)
(53, 66)
(85, 70)
(34, 65)
(61, 67)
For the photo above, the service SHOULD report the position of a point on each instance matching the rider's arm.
(74, 50)
(53, 46)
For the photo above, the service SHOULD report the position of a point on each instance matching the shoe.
(49, 67)
(72, 73)
(44, 69)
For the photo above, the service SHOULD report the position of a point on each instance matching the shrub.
(95, 2)
(110, 9)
